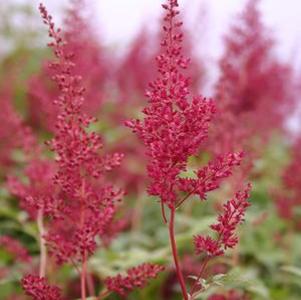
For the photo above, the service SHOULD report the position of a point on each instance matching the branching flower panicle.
(232, 215)
(174, 127)
(136, 277)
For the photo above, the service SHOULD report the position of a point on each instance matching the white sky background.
(119, 20)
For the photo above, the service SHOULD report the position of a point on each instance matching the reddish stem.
(83, 276)
(175, 253)
(196, 283)
(90, 284)
(104, 294)
(163, 212)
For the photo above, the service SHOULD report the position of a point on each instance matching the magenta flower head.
(231, 216)
(136, 277)
(38, 288)
(87, 201)
(175, 124)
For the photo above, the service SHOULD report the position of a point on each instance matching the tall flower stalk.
(173, 129)
(87, 201)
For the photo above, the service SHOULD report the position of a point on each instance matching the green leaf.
(292, 270)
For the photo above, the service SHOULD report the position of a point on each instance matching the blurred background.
(244, 54)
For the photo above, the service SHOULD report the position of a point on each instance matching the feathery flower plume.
(232, 215)
(173, 129)
(254, 88)
(87, 201)
(39, 289)
(136, 277)
(174, 125)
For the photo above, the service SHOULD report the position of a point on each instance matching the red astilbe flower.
(133, 73)
(254, 90)
(252, 81)
(15, 248)
(87, 201)
(85, 194)
(232, 215)
(174, 125)
(210, 176)
(90, 62)
(39, 289)
(136, 277)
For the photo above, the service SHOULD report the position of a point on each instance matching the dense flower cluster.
(87, 202)
(210, 176)
(39, 289)
(232, 215)
(254, 90)
(174, 126)
(136, 277)
(252, 80)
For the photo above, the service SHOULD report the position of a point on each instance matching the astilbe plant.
(173, 129)
(136, 277)
(85, 201)
(253, 90)
(133, 73)
(255, 87)
(39, 289)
